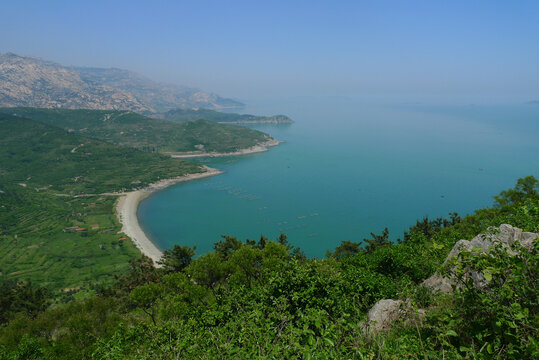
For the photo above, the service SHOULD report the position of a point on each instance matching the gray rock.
(386, 312)
(439, 283)
(31, 81)
(383, 314)
(505, 235)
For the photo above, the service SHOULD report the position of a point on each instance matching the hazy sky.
(270, 48)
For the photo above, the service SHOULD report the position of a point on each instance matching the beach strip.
(262, 147)
(127, 205)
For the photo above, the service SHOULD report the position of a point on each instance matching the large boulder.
(504, 235)
(386, 312)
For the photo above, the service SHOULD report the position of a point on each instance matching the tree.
(208, 270)
(346, 249)
(527, 187)
(177, 258)
(225, 247)
(377, 241)
(145, 297)
(141, 271)
(245, 264)
(294, 251)
(21, 297)
(262, 242)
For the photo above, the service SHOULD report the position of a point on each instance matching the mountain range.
(32, 81)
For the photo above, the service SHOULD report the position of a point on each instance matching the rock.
(383, 314)
(439, 283)
(505, 235)
(31, 81)
(386, 312)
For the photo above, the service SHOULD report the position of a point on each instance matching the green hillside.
(41, 169)
(134, 130)
(264, 300)
(217, 116)
(33, 245)
(38, 155)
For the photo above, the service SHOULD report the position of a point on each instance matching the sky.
(274, 48)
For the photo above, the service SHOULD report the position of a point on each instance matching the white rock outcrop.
(386, 312)
(504, 235)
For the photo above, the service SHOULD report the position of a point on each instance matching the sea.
(348, 168)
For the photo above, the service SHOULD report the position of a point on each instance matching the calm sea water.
(347, 169)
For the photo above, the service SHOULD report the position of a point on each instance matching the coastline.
(256, 122)
(127, 205)
(262, 147)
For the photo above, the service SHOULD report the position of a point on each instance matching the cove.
(347, 169)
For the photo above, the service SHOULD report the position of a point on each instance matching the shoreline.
(127, 206)
(262, 147)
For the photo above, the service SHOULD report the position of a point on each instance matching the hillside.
(264, 300)
(198, 113)
(157, 96)
(34, 246)
(134, 130)
(40, 155)
(31, 81)
(42, 168)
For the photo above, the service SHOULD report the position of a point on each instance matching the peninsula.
(222, 117)
(125, 128)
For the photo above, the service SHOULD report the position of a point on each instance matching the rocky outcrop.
(386, 312)
(504, 235)
(157, 96)
(33, 82)
(29, 81)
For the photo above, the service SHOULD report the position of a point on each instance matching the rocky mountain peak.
(34, 82)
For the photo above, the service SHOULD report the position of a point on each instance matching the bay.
(348, 168)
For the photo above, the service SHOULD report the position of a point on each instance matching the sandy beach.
(262, 147)
(127, 205)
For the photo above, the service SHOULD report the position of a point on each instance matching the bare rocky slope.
(33, 82)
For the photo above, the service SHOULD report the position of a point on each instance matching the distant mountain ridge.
(34, 82)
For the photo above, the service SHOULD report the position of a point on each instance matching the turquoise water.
(348, 169)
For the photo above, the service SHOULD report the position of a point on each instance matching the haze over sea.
(347, 169)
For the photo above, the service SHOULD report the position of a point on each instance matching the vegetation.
(36, 155)
(51, 180)
(265, 300)
(152, 135)
(34, 245)
(212, 115)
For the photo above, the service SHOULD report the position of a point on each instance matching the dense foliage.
(265, 300)
(153, 135)
(44, 157)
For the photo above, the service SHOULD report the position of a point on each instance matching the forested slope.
(153, 135)
(217, 116)
(264, 299)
